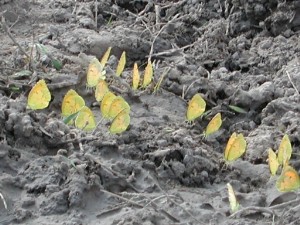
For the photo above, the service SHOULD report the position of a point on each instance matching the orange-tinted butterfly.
(289, 180)
(235, 148)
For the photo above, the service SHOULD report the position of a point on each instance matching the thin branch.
(7, 31)
(294, 86)
(3, 200)
(252, 208)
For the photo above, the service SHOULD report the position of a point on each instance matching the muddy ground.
(161, 170)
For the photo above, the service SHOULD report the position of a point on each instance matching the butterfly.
(39, 96)
(95, 73)
(235, 148)
(105, 57)
(118, 104)
(101, 90)
(285, 150)
(120, 122)
(121, 64)
(288, 180)
(148, 74)
(234, 205)
(135, 77)
(273, 162)
(72, 103)
(106, 103)
(214, 125)
(85, 119)
(196, 107)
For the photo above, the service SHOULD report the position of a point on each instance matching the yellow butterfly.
(234, 205)
(118, 104)
(214, 125)
(85, 119)
(273, 162)
(121, 64)
(101, 90)
(39, 96)
(196, 107)
(106, 103)
(135, 77)
(120, 123)
(235, 148)
(95, 73)
(71, 103)
(148, 74)
(289, 180)
(105, 57)
(284, 150)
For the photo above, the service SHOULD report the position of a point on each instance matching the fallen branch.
(7, 31)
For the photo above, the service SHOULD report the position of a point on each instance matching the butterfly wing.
(39, 96)
(135, 77)
(94, 73)
(284, 150)
(101, 90)
(214, 125)
(120, 123)
(148, 74)
(121, 64)
(196, 107)
(106, 103)
(71, 103)
(105, 57)
(118, 104)
(234, 205)
(85, 119)
(289, 180)
(273, 162)
(236, 147)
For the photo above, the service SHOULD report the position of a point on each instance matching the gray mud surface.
(161, 170)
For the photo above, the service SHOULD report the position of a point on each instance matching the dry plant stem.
(141, 206)
(111, 210)
(7, 31)
(172, 51)
(186, 91)
(160, 31)
(77, 140)
(157, 16)
(252, 208)
(96, 13)
(282, 205)
(98, 124)
(3, 200)
(294, 86)
(175, 203)
(177, 4)
(124, 199)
